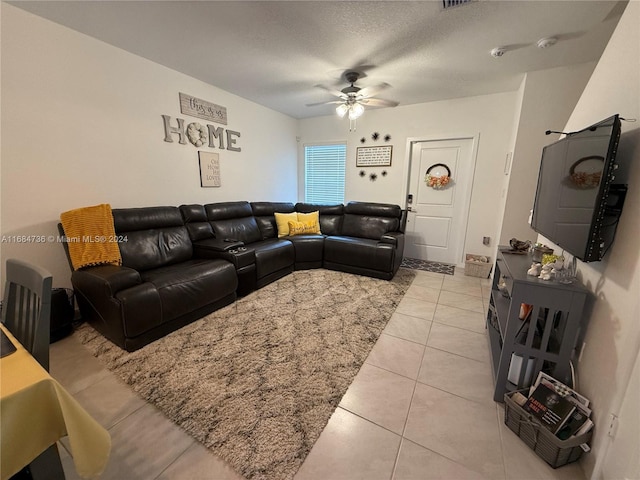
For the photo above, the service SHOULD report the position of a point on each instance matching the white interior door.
(437, 220)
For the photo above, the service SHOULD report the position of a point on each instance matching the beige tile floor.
(420, 408)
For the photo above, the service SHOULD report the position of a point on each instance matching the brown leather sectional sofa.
(181, 263)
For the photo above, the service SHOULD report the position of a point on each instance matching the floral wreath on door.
(438, 176)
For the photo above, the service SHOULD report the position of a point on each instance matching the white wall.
(548, 98)
(508, 165)
(490, 117)
(82, 125)
(613, 334)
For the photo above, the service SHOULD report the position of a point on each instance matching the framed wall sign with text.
(209, 169)
(374, 156)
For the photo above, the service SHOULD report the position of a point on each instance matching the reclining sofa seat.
(308, 248)
(371, 241)
(205, 245)
(232, 226)
(160, 286)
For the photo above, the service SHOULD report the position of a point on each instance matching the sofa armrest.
(392, 237)
(218, 244)
(105, 280)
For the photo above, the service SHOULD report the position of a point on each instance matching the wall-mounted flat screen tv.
(579, 200)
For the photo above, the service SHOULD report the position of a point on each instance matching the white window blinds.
(324, 167)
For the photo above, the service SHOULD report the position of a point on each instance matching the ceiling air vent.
(454, 3)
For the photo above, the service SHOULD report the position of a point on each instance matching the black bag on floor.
(62, 313)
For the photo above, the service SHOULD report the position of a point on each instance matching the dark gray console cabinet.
(545, 339)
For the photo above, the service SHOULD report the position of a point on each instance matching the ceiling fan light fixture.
(355, 111)
(353, 99)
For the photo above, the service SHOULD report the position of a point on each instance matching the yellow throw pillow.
(282, 221)
(311, 218)
(301, 228)
(296, 228)
(311, 227)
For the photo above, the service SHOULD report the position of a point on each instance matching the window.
(324, 167)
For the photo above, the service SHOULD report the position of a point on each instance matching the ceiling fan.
(353, 99)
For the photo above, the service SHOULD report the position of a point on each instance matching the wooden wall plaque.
(202, 109)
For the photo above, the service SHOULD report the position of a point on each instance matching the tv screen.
(577, 203)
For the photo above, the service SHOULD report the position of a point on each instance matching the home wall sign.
(374, 156)
(202, 109)
(200, 135)
(209, 169)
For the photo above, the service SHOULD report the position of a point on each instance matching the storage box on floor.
(477, 266)
(547, 446)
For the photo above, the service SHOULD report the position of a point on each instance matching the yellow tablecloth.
(36, 411)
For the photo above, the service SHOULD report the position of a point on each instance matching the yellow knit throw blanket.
(91, 236)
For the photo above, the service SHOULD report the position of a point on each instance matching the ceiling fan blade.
(373, 90)
(324, 103)
(332, 91)
(378, 102)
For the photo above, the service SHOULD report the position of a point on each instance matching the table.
(36, 411)
(519, 349)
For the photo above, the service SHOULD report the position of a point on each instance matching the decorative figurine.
(545, 272)
(534, 271)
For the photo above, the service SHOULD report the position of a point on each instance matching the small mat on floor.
(257, 381)
(428, 266)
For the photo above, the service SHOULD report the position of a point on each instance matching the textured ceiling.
(275, 52)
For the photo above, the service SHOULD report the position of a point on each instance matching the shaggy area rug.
(257, 381)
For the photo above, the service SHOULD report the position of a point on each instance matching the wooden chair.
(26, 312)
(26, 308)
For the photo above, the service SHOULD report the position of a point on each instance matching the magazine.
(549, 407)
(561, 388)
(573, 424)
(567, 417)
